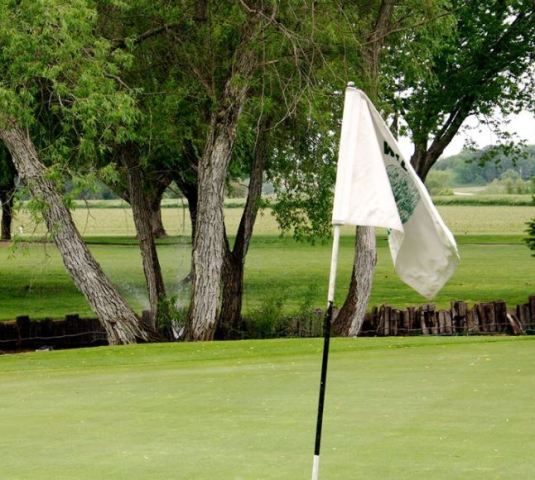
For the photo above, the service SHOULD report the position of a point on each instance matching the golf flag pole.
(326, 341)
(377, 187)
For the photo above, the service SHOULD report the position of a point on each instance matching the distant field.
(403, 409)
(484, 200)
(118, 221)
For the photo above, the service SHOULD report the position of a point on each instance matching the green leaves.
(473, 60)
(59, 78)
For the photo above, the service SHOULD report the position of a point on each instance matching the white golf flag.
(376, 187)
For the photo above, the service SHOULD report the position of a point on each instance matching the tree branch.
(152, 32)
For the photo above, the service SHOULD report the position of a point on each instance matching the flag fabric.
(377, 187)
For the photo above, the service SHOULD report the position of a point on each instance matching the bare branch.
(152, 32)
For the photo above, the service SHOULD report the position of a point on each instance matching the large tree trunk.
(121, 323)
(351, 315)
(6, 197)
(208, 242)
(418, 160)
(233, 267)
(232, 295)
(143, 221)
(209, 236)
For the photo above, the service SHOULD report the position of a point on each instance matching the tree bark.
(232, 296)
(351, 315)
(208, 242)
(6, 198)
(209, 237)
(120, 322)
(158, 230)
(419, 160)
(142, 214)
(234, 262)
(155, 186)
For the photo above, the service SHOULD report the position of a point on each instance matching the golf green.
(396, 408)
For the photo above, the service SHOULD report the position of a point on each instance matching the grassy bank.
(280, 274)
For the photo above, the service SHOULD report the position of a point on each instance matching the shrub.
(439, 182)
(171, 318)
(510, 183)
(267, 321)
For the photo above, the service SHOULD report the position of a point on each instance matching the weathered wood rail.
(72, 332)
(491, 318)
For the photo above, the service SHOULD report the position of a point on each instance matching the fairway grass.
(495, 264)
(278, 270)
(396, 408)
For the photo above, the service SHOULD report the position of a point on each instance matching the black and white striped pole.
(326, 341)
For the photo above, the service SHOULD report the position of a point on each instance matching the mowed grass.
(34, 281)
(396, 408)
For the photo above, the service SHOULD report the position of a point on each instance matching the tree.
(351, 315)
(208, 242)
(478, 62)
(481, 64)
(171, 134)
(374, 24)
(234, 257)
(297, 76)
(252, 39)
(57, 91)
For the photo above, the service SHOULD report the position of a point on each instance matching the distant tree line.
(473, 168)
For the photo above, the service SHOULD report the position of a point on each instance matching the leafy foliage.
(484, 60)
(439, 182)
(7, 169)
(57, 79)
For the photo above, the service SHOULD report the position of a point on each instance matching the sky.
(523, 124)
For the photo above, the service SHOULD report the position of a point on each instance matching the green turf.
(34, 281)
(402, 408)
(492, 267)
(495, 264)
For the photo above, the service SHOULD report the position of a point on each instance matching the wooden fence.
(481, 319)
(492, 318)
(72, 332)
